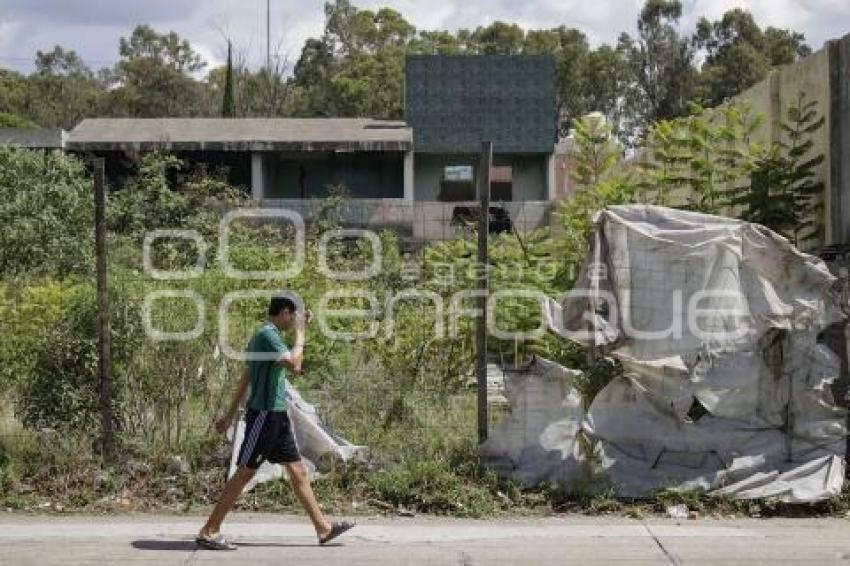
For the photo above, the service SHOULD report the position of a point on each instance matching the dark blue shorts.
(268, 436)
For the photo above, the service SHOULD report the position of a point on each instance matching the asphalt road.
(275, 539)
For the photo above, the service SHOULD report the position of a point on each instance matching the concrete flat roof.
(240, 134)
(37, 138)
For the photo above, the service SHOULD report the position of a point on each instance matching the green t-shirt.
(268, 377)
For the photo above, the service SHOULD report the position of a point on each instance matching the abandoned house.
(418, 176)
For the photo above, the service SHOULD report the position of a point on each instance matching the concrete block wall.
(824, 77)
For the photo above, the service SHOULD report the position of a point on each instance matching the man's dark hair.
(278, 304)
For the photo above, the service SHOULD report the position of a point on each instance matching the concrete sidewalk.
(275, 539)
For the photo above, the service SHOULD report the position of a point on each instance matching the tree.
(251, 96)
(61, 63)
(695, 161)
(436, 43)
(499, 38)
(798, 175)
(311, 79)
(8, 120)
(371, 85)
(738, 54)
(599, 182)
(784, 46)
(255, 93)
(603, 78)
(569, 49)
(167, 50)
(227, 104)
(661, 67)
(761, 201)
(13, 96)
(595, 153)
(153, 78)
(62, 90)
(786, 192)
(357, 67)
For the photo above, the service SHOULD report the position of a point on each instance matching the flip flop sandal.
(218, 542)
(336, 530)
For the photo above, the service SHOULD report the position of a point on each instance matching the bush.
(46, 214)
(61, 391)
(26, 312)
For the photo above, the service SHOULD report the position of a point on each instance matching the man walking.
(268, 431)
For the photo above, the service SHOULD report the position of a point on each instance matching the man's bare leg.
(304, 492)
(232, 490)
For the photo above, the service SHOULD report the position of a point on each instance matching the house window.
(502, 183)
(457, 183)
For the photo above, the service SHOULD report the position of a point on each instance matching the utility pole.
(483, 286)
(104, 362)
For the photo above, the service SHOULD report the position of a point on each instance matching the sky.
(93, 27)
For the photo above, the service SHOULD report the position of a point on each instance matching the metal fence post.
(104, 362)
(483, 286)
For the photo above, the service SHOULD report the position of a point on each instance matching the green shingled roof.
(454, 102)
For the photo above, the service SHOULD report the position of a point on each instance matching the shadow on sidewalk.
(286, 544)
(184, 545)
(191, 546)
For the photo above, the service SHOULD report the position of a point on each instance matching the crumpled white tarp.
(538, 439)
(319, 448)
(742, 348)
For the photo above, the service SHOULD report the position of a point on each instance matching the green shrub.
(46, 214)
(785, 192)
(62, 390)
(27, 311)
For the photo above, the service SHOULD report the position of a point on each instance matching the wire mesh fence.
(397, 376)
(424, 220)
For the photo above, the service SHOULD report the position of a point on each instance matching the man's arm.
(293, 359)
(238, 398)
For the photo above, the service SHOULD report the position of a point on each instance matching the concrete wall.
(563, 185)
(365, 174)
(530, 174)
(838, 211)
(825, 78)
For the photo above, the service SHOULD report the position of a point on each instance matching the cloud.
(819, 20)
(93, 27)
(100, 12)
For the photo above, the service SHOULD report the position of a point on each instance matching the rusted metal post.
(483, 286)
(104, 361)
